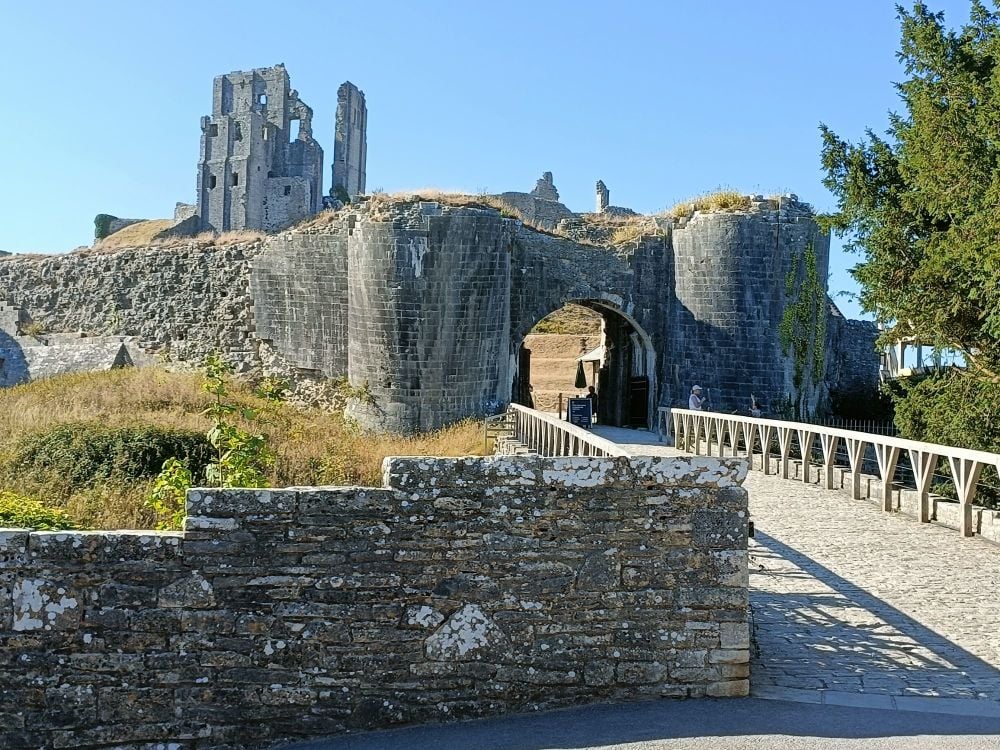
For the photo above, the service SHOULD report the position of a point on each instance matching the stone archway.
(627, 382)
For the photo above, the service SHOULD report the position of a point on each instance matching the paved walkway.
(853, 606)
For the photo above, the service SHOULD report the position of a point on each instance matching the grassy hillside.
(86, 443)
(570, 318)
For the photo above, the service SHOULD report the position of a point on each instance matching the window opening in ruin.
(270, 174)
(262, 99)
(238, 132)
(288, 189)
(236, 178)
(294, 127)
(213, 129)
(263, 133)
(211, 182)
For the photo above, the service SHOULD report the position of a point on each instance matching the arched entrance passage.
(623, 360)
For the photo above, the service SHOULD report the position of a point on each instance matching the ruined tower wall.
(429, 291)
(729, 301)
(350, 151)
(251, 174)
(299, 287)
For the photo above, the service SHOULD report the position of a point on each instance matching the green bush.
(102, 225)
(83, 452)
(20, 512)
(952, 409)
(955, 409)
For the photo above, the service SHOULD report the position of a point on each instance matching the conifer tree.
(922, 203)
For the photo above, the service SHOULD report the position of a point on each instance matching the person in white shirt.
(695, 400)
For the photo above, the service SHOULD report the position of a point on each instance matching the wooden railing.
(698, 431)
(547, 435)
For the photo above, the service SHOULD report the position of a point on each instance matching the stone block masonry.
(463, 587)
(180, 302)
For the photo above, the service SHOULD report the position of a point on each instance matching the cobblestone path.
(854, 606)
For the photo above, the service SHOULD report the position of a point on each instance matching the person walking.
(695, 401)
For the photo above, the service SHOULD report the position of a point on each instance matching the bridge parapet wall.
(464, 587)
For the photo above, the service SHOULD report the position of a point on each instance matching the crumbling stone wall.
(853, 368)
(426, 306)
(465, 587)
(429, 300)
(299, 286)
(181, 302)
(730, 291)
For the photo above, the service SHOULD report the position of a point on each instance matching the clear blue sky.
(662, 100)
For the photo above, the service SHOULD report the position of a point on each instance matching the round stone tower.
(429, 322)
(739, 325)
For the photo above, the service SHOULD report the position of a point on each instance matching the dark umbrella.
(581, 377)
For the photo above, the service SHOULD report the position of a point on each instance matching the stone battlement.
(463, 587)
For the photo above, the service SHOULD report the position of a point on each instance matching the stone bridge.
(853, 600)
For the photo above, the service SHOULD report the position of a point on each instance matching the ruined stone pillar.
(603, 195)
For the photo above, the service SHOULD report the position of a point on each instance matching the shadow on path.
(716, 724)
(817, 630)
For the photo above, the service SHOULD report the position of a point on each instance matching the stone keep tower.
(350, 150)
(252, 173)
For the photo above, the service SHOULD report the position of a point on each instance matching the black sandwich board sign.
(579, 411)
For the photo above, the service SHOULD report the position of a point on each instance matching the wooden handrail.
(692, 428)
(549, 436)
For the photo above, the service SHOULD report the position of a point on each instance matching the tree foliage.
(948, 409)
(922, 204)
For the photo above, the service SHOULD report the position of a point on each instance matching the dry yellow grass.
(720, 200)
(124, 239)
(324, 218)
(138, 234)
(378, 202)
(570, 318)
(617, 229)
(310, 446)
(553, 366)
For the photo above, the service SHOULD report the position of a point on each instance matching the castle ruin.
(253, 174)
(350, 149)
(260, 167)
(425, 304)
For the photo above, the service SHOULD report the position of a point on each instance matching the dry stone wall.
(464, 587)
(181, 302)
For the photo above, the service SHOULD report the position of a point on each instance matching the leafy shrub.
(951, 409)
(168, 493)
(34, 328)
(955, 409)
(242, 456)
(83, 452)
(18, 511)
(862, 403)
